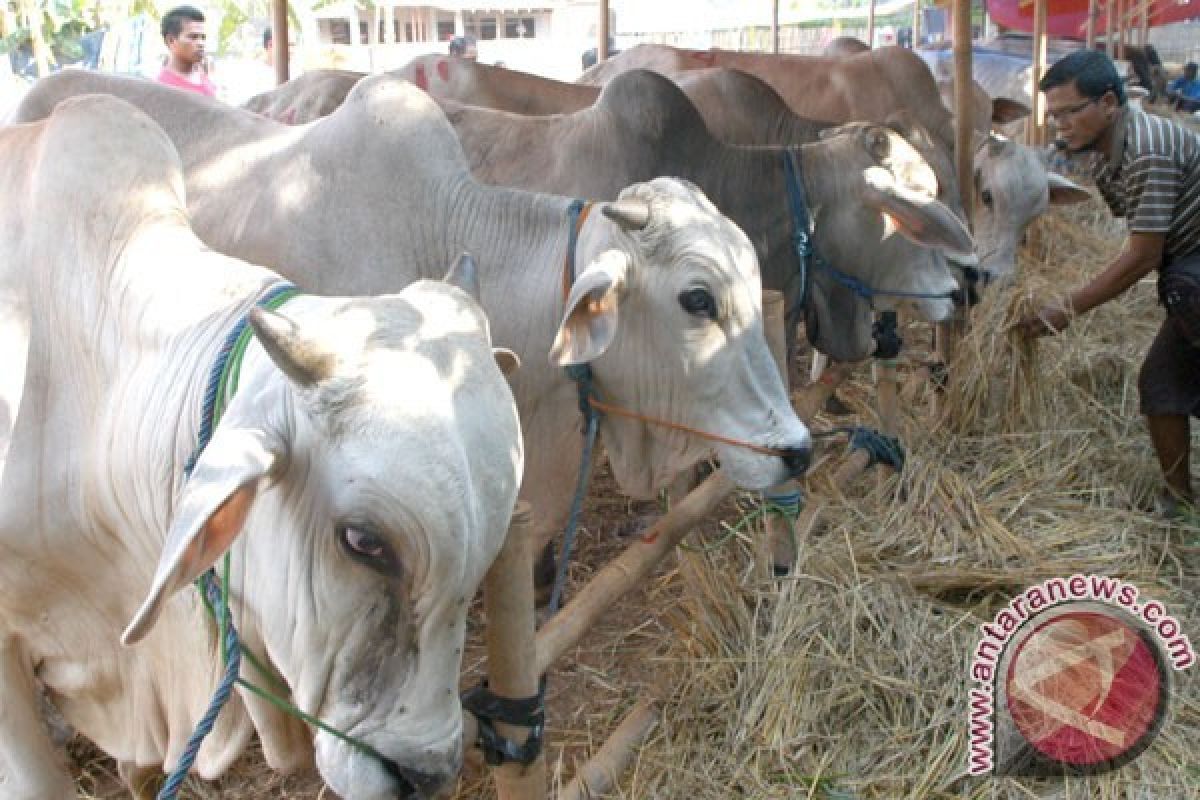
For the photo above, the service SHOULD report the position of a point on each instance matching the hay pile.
(852, 681)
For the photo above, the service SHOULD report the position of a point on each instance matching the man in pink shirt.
(183, 32)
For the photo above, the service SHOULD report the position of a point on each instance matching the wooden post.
(1120, 23)
(568, 626)
(778, 528)
(279, 40)
(602, 33)
(916, 24)
(508, 603)
(1108, 28)
(963, 101)
(1037, 127)
(811, 399)
(1144, 25)
(871, 26)
(1091, 24)
(602, 771)
(886, 400)
(774, 26)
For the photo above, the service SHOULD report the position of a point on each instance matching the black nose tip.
(413, 784)
(797, 460)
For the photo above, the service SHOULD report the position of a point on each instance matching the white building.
(547, 37)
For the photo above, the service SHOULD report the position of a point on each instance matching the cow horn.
(300, 358)
(632, 215)
(464, 274)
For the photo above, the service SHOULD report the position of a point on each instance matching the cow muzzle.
(797, 460)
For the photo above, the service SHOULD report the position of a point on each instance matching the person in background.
(1148, 172)
(464, 47)
(183, 33)
(268, 47)
(1184, 92)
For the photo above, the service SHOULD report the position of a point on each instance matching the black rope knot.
(525, 712)
(881, 448)
(887, 337)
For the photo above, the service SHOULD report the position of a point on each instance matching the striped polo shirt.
(1151, 177)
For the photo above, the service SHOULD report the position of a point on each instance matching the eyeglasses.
(1066, 113)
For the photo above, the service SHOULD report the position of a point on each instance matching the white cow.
(369, 460)
(665, 303)
(1012, 188)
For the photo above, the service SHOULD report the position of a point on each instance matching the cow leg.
(31, 768)
(143, 782)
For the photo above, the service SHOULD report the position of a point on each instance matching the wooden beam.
(279, 40)
(964, 101)
(564, 630)
(1093, 11)
(509, 607)
(774, 26)
(602, 33)
(1037, 117)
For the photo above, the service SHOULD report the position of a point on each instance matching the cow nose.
(797, 460)
(412, 784)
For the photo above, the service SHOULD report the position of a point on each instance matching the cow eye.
(986, 196)
(368, 547)
(698, 301)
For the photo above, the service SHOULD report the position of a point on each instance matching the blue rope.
(233, 663)
(207, 582)
(810, 259)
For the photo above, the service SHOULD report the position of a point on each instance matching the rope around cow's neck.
(222, 384)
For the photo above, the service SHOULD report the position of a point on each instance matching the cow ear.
(917, 216)
(1063, 192)
(211, 511)
(590, 320)
(1006, 110)
(508, 361)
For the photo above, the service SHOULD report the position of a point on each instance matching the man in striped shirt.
(1148, 172)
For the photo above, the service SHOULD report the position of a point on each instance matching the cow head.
(1012, 187)
(667, 308)
(371, 467)
(875, 218)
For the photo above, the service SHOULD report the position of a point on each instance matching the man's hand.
(1051, 318)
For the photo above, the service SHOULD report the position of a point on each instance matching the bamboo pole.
(886, 400)
(280, 52)
(774, 26)
(1037, 128)
(916, 24)
(778, 528)
(567, 627)
(963, 101)
(1091, 24)
(602, 33)
(1120, 51)
(871, 26)
(811, 399)
(508, 603)
(602, 771)
(1108, 29)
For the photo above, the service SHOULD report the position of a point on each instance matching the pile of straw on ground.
(849, 680)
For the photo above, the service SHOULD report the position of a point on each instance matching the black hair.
(172, 21)
(266, 38)
(1189, 66)
(1092, 72)
(459, 45)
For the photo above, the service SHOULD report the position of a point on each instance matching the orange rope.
(715, 437)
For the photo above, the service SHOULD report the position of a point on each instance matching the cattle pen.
(849, 679)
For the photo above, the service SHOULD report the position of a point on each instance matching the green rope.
(731, 531)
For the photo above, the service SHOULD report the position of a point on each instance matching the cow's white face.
(877, 219)
(376, 485)
(1012, 188)
(668, 309)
